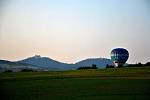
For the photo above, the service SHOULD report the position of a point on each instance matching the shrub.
(8, 71)
(135, 65)
(109, 66)
(87, 67)
(27, 70)
(147, 64)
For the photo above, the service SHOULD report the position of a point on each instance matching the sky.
(73, 30)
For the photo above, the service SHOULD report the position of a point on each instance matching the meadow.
(99, 84)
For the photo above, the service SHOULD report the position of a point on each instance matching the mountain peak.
(37, 56)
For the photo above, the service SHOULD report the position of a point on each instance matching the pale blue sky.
(72, 30)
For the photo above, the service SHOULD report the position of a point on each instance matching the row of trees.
(23, 70)
(88, 67)
(138, 64)
(111, 66)
(132, 65)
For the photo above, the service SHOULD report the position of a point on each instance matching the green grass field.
(102, 84)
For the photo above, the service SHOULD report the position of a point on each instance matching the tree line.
(88, 67)
(131, 65)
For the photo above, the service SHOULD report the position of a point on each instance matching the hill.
(99, 62)
(47, 63)
(15, 66)
(44, 63)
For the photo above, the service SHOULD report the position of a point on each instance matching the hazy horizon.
(73, 30)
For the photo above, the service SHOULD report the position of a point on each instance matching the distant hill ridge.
(99, 62)
(47, 63)
(44, 63)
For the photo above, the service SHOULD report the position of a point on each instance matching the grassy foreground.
(102, 84)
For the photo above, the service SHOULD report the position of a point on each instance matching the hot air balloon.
(119, 56)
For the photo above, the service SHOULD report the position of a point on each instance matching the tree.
(109, 66)
(87, 67)
(26, 70)
(94, 66)
(147, 64)
(8, 71)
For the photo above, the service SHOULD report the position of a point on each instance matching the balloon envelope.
(119, 56)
